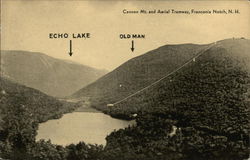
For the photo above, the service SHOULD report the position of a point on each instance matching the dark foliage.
(21, 109)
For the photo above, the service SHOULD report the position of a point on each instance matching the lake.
(80, 126)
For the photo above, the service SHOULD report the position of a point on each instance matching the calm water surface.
(80, 126)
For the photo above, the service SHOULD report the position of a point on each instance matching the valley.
(200, 92)
(83, 104)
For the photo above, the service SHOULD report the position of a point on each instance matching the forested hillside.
(212, 75)
(52, 76)
(208, 102)
(41, 106)
(21, 109)
(138, 73)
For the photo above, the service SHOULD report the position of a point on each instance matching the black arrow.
(70, 48)
(132, 48)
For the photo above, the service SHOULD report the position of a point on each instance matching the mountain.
(52, 76)
(206, 103)
(227, 57)
(144, 70)
(213, 91)
(210, 94)
(138, 73)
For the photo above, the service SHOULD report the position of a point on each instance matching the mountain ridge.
(103, 94)
(55, 77)
(151, 58)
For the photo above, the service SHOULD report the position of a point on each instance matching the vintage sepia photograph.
(125, 80)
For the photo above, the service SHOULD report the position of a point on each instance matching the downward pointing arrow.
(70, 48)
(132, 48)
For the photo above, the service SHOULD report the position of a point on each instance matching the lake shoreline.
(90, 127)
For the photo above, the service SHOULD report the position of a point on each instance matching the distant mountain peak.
(52, 76)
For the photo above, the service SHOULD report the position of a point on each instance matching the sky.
(26, 25)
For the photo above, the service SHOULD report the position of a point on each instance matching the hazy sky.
(27, 24)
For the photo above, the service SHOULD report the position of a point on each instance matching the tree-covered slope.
(40, 106)
(21, 109)
(207, 101)
(52, 76)
(138, 73)
(220, 73)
